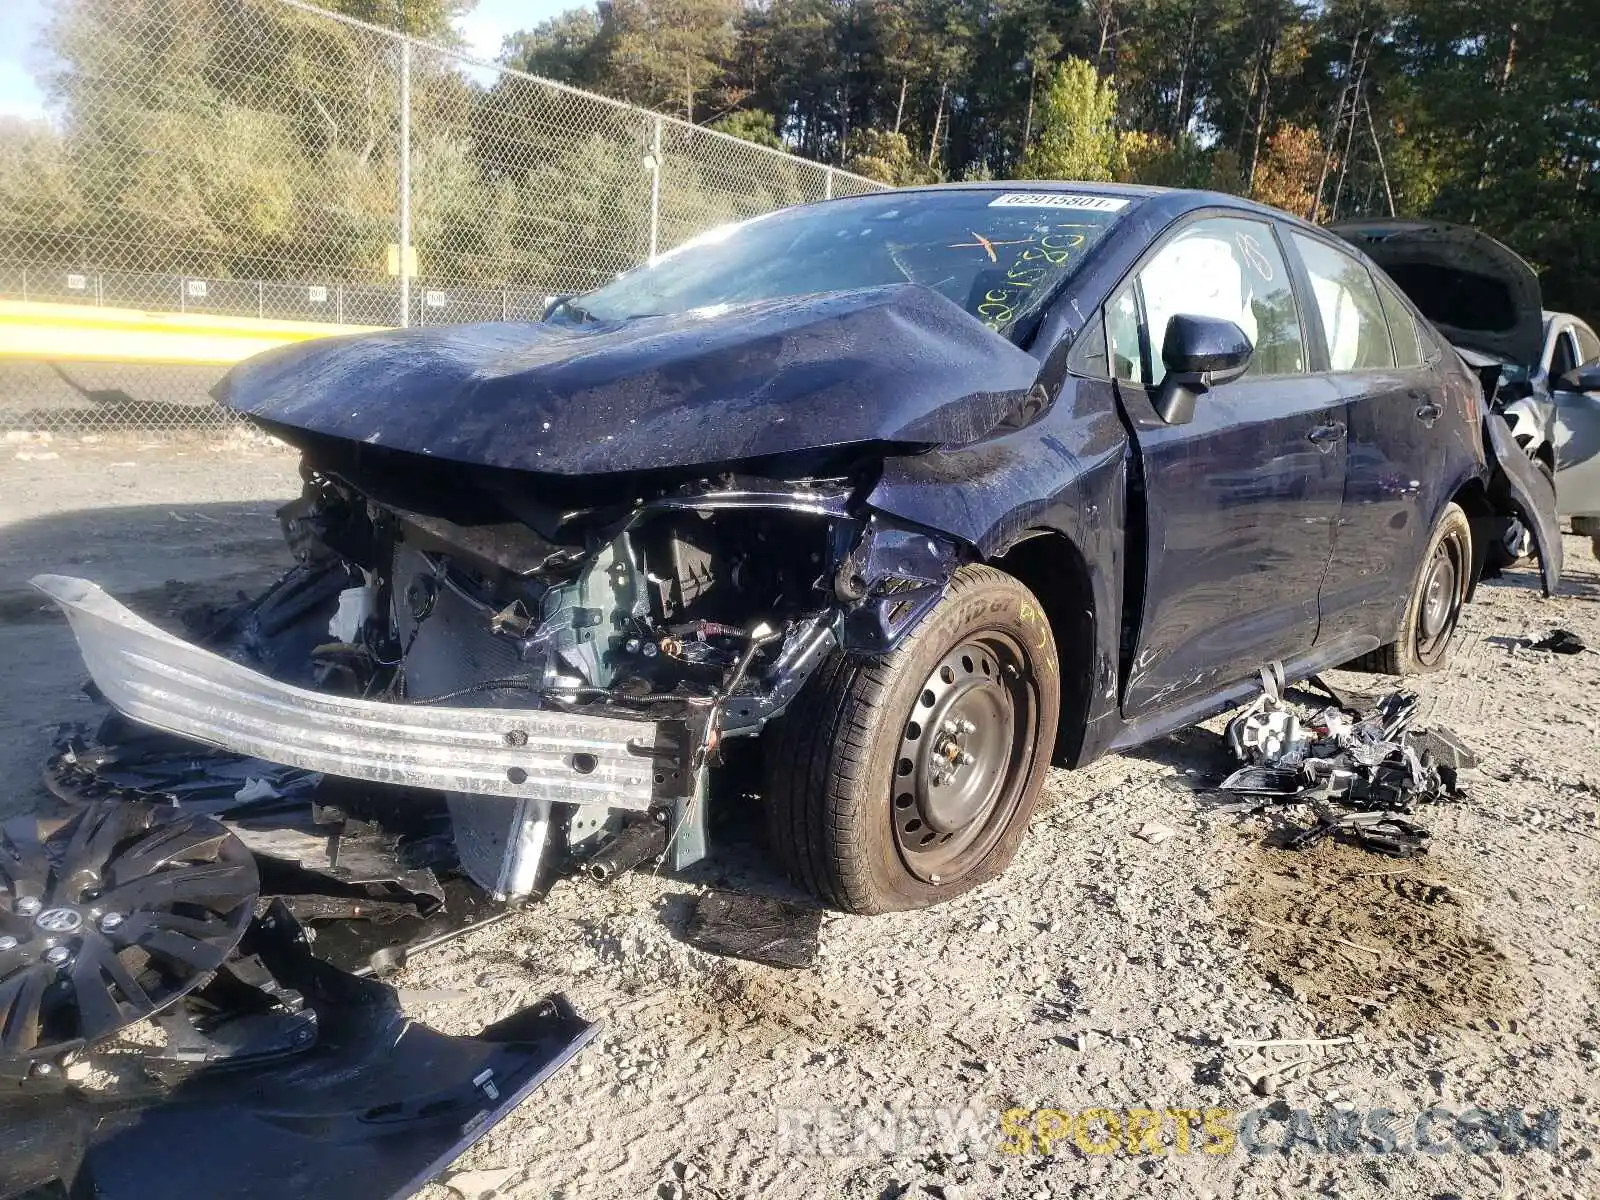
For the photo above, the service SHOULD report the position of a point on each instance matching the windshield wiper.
(564, 304)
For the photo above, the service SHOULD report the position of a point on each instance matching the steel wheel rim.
(963, 760)
(1443, 585)
(110, 917)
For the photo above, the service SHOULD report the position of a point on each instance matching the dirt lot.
(1104, 971)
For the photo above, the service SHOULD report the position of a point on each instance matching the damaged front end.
(556, 675)
(444, 705)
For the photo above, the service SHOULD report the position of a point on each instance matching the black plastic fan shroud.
(110, 916)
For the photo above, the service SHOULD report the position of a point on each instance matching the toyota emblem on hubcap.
(59, 920)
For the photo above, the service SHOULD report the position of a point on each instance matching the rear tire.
(899, 782)
(1426, 636)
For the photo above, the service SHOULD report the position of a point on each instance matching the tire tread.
(817, 763)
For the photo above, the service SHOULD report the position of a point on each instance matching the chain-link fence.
(267, 160)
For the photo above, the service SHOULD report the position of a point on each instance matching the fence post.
(405, 182)
(655, 189)
(827, 183)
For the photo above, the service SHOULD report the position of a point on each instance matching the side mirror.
(1581, 379)
(1199, 354)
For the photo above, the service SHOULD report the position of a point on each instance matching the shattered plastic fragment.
(355, 607)
(1557, 641)
(1155, 833)
(255, 789)
(1262, 781)
(758, 928)
(1372, 764)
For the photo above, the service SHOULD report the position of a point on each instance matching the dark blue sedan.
(924, 489)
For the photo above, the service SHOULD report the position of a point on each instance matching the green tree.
(1077, 137)
(664, 53)
(39, 202)
(565, 48)
(887, 157)
(752, 125)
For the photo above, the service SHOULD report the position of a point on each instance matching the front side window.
(1122, 334)
(1001, 255)
(1228, 268)
(1402, 328)
(1352, 315)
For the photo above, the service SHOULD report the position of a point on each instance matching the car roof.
(1555, 318)
(1174, 200)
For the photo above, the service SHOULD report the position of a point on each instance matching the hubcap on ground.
(1441, 597)
(964, 754)
(111, 916)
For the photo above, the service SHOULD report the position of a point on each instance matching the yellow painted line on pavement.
(69, 331)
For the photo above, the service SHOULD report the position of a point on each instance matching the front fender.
(1519, 489)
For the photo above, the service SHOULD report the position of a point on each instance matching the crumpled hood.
(1479, 293)
(895, 364)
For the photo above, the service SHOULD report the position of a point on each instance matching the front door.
(1240, 502)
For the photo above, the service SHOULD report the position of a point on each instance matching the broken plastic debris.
(1557, 641)
(355, 606)
(255, 789)
(1263, 781)
(1370, 764)
(1154, 832)
(761, 929)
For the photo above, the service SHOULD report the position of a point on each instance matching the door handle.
(1429, 412)
(1326, 437)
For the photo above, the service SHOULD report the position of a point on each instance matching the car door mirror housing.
(1582, 379)
(1199, 353)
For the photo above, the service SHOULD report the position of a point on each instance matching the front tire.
(1426, 637)
(899, 782)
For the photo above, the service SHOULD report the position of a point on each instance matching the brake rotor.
(110, 917)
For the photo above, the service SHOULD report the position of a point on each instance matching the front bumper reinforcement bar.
(530, 754)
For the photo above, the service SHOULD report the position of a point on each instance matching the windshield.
(1000, 255)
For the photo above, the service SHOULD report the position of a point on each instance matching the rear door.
(1240, 502)
(1395, 409)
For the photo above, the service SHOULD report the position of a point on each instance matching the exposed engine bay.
(696, 612)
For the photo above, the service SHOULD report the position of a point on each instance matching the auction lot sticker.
(1058, 200)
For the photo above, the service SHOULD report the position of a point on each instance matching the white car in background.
(1570, 413)
(1540, 370)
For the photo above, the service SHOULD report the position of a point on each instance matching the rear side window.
(1565, 356)
(1352, 315)
(1228, 268)
(1588, 345)
(1402, 328)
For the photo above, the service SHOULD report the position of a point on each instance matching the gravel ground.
(1105, 970)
